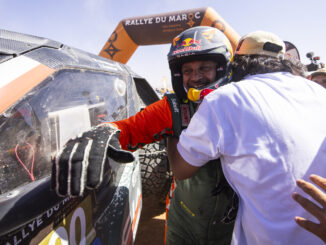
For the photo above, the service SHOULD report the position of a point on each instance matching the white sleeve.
(199, 143)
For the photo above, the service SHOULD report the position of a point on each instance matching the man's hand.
(81, 162)
(318, 211)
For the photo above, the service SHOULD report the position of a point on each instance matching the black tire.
(155, 172)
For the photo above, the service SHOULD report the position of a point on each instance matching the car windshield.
(61, 107)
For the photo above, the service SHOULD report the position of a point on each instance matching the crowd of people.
(241, 155)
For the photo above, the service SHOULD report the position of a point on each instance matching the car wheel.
(155, 172)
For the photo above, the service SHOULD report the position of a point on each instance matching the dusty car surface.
(49, 93)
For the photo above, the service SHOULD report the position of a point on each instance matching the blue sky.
(87, 24)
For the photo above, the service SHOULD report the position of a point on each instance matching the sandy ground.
(151, 225)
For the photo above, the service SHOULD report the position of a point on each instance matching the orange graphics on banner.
(161, 29)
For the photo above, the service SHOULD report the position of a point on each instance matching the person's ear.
(309, 77)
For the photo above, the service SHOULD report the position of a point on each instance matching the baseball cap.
(261, 43)
(321, 71)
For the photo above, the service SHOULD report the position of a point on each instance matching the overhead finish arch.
(160, 29)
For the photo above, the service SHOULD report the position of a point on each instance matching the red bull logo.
(187, 49)
(188, 44)
(188, 41)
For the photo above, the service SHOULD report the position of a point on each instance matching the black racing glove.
(81, 162)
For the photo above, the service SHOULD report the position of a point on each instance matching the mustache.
(201, 82)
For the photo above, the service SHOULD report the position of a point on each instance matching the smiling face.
(197, 74)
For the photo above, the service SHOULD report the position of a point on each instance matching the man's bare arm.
(181, 169)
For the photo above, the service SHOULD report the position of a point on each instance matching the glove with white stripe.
(82, 161)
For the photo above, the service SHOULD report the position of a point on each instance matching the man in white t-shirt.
(268, 128)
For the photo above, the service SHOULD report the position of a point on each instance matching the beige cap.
(321, 71)
(261, 43)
